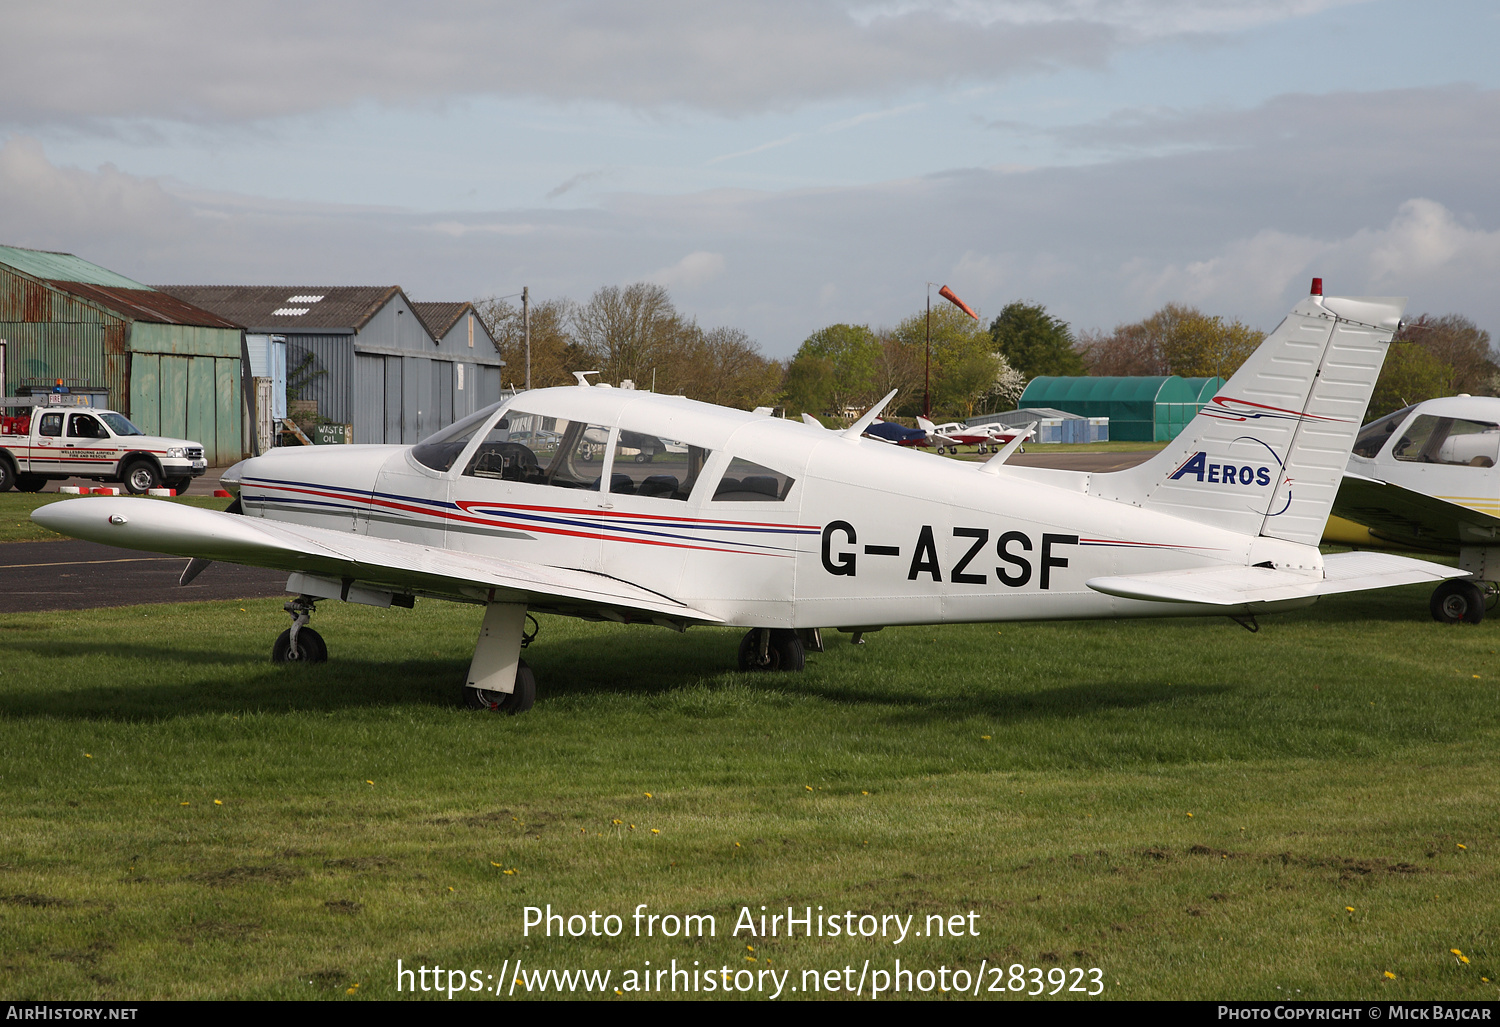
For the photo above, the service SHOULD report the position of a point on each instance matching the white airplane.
(952, 435)
(787, 528)
(1428, 477)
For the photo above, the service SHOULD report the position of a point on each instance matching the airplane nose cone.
(230, 479)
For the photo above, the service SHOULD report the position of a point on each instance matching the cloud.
(94, 61)
(691, 271)
(1311, 186)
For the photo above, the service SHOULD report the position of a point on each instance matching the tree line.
(635, 332)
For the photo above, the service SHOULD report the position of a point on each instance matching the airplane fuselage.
(860, 534)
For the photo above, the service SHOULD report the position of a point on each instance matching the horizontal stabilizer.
(159, 527)
(1239, 586)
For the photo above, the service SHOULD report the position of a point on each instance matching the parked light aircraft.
(952, 435)
(1428, 477)
(786, 528)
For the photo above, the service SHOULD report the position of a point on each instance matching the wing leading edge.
(403, 567)
(1404, 517)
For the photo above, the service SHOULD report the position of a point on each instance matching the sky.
(778, 165)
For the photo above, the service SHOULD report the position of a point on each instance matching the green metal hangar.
(395, 370)
(1148, 409)
(172, 368)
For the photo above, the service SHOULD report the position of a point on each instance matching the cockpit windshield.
(1371, 438)
(440, 449)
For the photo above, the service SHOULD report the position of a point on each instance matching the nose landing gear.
(299, 643)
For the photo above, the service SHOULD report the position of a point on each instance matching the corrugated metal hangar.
(171, 367)
(396, 370)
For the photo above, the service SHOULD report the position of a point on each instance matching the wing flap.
(160, 527)
(1240, 586)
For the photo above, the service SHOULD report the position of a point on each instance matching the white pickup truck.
(50, 444)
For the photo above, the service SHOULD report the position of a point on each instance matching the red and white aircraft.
(786, 528)
(952, 435)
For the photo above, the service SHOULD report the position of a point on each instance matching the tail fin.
(1266, 455)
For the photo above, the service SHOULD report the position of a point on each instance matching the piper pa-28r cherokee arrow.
(787, 528)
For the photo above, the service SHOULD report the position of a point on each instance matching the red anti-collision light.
(1317, 289)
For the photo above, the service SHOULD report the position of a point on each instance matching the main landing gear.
(499, 680)
(1457, 601)
(299, 643)
(775, 649)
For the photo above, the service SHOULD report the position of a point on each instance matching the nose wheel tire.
(1457, 601)
(310, 647)
(782, 650)
(518, 701)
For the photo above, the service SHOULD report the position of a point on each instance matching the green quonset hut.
(1139, 409)
(171, 367)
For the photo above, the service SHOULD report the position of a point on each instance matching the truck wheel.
(141, 477)
(179, 485)
(7, 474)
(30, 482)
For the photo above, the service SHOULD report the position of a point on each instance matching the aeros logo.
(1198, 467)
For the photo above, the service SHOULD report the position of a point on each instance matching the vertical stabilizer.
(1265, 456)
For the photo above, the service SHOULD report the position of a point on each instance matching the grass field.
(1197, 811)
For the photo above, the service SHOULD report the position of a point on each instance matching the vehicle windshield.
(119, 424)
(440, 449)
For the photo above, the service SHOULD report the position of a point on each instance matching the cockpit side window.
(1449, 440)
(747, 481)
(540, 450)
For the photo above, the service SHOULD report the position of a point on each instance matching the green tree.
(554, 353)
(853, 354)
(1034, 342)
(808, 386)
(1409, 375)
(1174, 340)
(963, 364)
(1460, 344)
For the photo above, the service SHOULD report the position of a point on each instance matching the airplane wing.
(1242, 586)
(376, 564)
(1404, 517)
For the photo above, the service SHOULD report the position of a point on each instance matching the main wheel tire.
(141, 477)
(784, 652)
(310, 647)
(518, 701)
(1457, 600)
(643, 458)
(179, 485)
(7, 474)
(30, 482)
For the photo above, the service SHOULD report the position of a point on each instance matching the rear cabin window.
(747, 481)
(1449, 440)
(51, 426)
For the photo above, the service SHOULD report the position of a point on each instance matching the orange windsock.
(949, 295)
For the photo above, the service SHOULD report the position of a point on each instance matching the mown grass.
(1187, 806)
